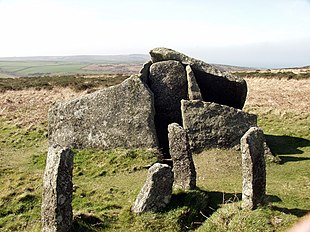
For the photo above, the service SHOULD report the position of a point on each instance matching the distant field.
(29, 68)
(68, 65)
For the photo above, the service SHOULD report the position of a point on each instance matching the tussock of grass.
(231, 218)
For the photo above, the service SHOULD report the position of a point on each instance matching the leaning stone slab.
(157, 190)
(193, 88)
(168, 82)
(253, 168)
(183, 164)
(119, 116)
(215, 85)
(213, 125)
(57, 190)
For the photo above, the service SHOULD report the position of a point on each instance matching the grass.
(76, 82)
(274, 75)
(106, 183)
(39, 68)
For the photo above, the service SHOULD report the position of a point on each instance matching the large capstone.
(213, 125)
(253, 168)
(119, 116)
(215, 85)
(183, 164)
(57, 190)
(168, 82)
(157, 190)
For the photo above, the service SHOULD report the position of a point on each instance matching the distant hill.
(92, 64)
(132, 58)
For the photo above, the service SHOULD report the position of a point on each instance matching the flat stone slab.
(213, 125)
(119, 116)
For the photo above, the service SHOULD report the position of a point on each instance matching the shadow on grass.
(284, 145)
(197, 205)
(295, 211)
(87, 223)
(201, 204)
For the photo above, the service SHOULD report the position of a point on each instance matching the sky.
(253, 33)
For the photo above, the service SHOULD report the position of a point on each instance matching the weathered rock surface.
(157, 190)
(193, 88)
(183, 164)
(168, 82)
(253, 168)
(145, 71)
(213, 125)
(215, 85)
(119, 116)
(57, 190)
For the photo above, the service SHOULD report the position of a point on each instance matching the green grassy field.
(37, 68)
(106, 183)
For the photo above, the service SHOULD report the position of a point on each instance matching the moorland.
(106, 183)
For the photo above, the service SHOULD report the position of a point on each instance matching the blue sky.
(256, 33)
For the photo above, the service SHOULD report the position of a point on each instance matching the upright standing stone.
(183, 165)
(157, 190)
(57, 190)
(253, 168)
(193, 88)
(168, 82)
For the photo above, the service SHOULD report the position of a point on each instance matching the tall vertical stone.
(183, 164)
(193, 88)
(157, 190)
(168, 82)
(253, 168)
(57, 190)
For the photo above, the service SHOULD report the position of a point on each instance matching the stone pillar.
(183, 164)
(253, 168)
(57, 190)
(157, 190)
(193, 88)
